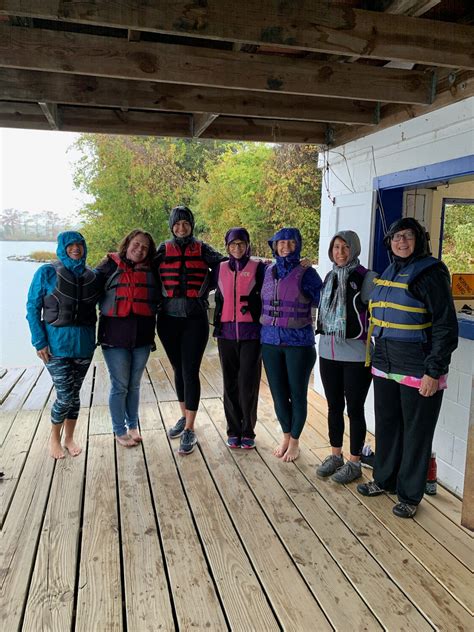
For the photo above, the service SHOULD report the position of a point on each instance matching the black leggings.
(185, 340)
(345, 381)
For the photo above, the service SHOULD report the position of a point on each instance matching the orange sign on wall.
(463, 286)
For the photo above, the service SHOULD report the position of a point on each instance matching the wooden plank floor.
(143, 539)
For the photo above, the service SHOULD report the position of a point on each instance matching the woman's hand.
(305, 263)
(429, 386)
(44, 354)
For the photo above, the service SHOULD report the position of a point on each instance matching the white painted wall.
(347, 202)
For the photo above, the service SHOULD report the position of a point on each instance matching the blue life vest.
(395, 313)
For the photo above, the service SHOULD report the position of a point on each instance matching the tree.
(458, 237)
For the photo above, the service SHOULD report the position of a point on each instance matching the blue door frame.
(390, 190)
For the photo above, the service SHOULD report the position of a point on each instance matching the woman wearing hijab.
(288, 293)
(61, 313)
(415, 329)
(184, 264)
(343, 325)
(127, 327)
(237, 329)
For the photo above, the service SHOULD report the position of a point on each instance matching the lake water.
(15, 278)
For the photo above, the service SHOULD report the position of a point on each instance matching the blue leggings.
(67, 375)
(288, 370)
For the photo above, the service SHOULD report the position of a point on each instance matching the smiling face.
(182, 228)
(75, 250)
(341, 252)
(285, 247)
(237, 248)
(403, 243)
(137, 250)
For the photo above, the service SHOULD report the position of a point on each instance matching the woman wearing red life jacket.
(237, 329)
(127, 327)
(184, 264)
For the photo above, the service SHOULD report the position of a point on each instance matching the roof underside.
(275, 71)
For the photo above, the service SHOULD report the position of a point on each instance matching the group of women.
(263, 311)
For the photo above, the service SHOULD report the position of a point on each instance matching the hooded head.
(65, 239)
(422, 246)
(179, 213)
(237, 234)
(286, 264)
(352, 240)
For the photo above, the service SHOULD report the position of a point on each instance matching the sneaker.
(188, 441)
(404, 510)
(367, 460)
(233, 442)
(247, 443)
(178, 429)
(372, 489)
(347, 473)
(330, 465)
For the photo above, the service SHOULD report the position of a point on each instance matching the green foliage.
(43, 255)
(458, 237)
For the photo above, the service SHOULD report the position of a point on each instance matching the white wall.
(348, 203)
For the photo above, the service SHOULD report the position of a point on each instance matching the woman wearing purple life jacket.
(288, 293)
(237, 329)
(343, 326)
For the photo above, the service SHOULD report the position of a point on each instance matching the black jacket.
(432, 358)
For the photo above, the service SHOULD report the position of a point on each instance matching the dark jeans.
(184, 340)
(288, 371)
(67, 375)
(241, 363)
(404, 427)
(345, 381)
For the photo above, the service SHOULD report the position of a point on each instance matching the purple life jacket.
(283, 302)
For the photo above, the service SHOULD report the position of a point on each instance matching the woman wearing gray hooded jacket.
(343, 326)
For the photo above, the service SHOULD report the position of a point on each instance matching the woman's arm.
(311, 285)
(212, 257)
(34, 307)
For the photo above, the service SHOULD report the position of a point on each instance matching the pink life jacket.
(235, 287)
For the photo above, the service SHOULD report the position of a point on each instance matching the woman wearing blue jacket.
(61, 313)
(289, 291)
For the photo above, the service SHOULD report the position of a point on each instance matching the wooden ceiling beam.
(201, 122)
(31, 85)
(307, 24)
(107, 121)
(55, 51)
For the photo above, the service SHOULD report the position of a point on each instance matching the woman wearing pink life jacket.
(237, 329)
(127, 327)
(288, 293)
(343, 326)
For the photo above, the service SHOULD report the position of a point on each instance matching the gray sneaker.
(347, 473)
(188, 441)
(178, 429)
(330, 465)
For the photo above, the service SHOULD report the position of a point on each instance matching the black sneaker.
(370, 489)
(367, 460)
(178, 429)
(404, 510)
(188, 441)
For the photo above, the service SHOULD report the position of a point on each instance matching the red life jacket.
(236, 288)
(183, 269)
(130, 290)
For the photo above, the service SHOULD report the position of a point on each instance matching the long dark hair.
(124, 244)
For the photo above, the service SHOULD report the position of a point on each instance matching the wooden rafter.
(201, 122)
(307, 25)
(30, 85)
(50, 111)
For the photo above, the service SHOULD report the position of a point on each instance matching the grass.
(43, 255)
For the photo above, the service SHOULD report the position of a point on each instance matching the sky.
(36, 172)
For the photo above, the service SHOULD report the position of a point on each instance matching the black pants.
(404, 427)
(345, 382)
(184, 340)
(241, 363)
(288, 371)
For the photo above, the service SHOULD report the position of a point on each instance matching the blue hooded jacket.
(311, 286)
(75, 341)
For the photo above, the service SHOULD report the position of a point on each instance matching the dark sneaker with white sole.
(372, 489)
(404, 510)
(330, 465)
(347, 473)
(247, 443)
(178, 429)
(233, 442)
(188, 441)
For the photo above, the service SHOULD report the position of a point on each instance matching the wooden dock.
(142, 539)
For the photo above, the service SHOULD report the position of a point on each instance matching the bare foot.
(126, 441)
(72, 447)
(56, 449)
(292, 452)
(280, 450)
(135, 435)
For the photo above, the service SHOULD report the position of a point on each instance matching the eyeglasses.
(237, 244)
(409, 235)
